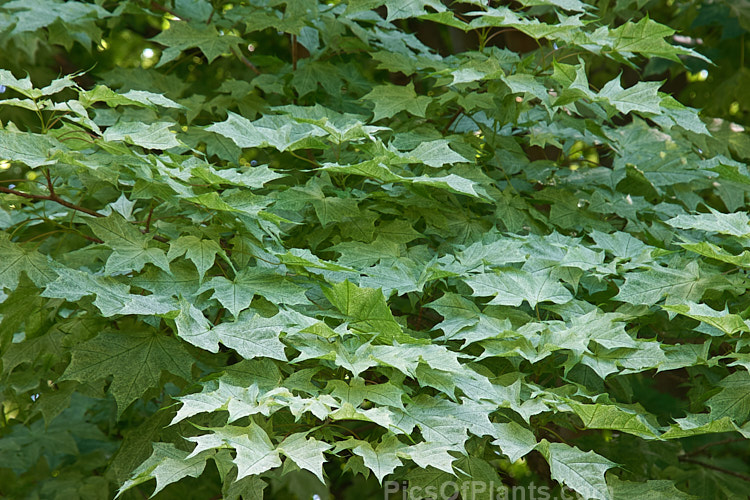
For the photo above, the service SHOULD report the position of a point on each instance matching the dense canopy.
(301, 249)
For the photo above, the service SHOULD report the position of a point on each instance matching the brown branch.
(245, 61)
(218, 316)
(148, 219)
(294, 52)
(157, 237)
(713, 467)
(49, 182)
(51, 197)
(54, 197)
(453, 119)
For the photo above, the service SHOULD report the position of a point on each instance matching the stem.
(499, 32)
(304, 159)
(245, 61)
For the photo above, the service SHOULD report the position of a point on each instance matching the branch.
(51, 197)
(294, 52)
(54, 197)
(148, 219)
(713, 467)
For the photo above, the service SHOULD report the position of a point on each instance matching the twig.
(157, 237)
(51, 197)
(245, 61)
(713, 467)
(703, 448)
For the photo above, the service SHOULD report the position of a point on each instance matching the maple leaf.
(254, 451)
(134, 359)
(184, 35)
(583, 472)
(166, 464)
(307, 453)
(391, 99)
(237, 294)
(512, 287)
(15, 259)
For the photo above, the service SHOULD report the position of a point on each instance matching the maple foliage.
(289, 250)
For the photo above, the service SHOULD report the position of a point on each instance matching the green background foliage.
(290, 248)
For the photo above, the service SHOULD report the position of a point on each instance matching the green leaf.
(511, 287)
(237, 294)
(280, 132)
(254, 177)
(392, 99)
(435, 154)
(135, 359)
(654, 489)
(457, 313)
(254, 451)
(714, 252)
(201, 251)
(15, 259)
(192, 326)
(34, 150)
(649, 287)
(734, 398)
(646, 37)
(573, 5)
(433, 455)
(599, 416)
(642, 97)
(130, 250)
(366, 308)
(112, 297)
(184, 35)
(382, 459)
(167, 465)
(356, 392)
(513, 440)
(583, 472)
(410, 8)
(153, 136)
(736, 224)
(254, 336)
(723, 320)
(307, 453)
